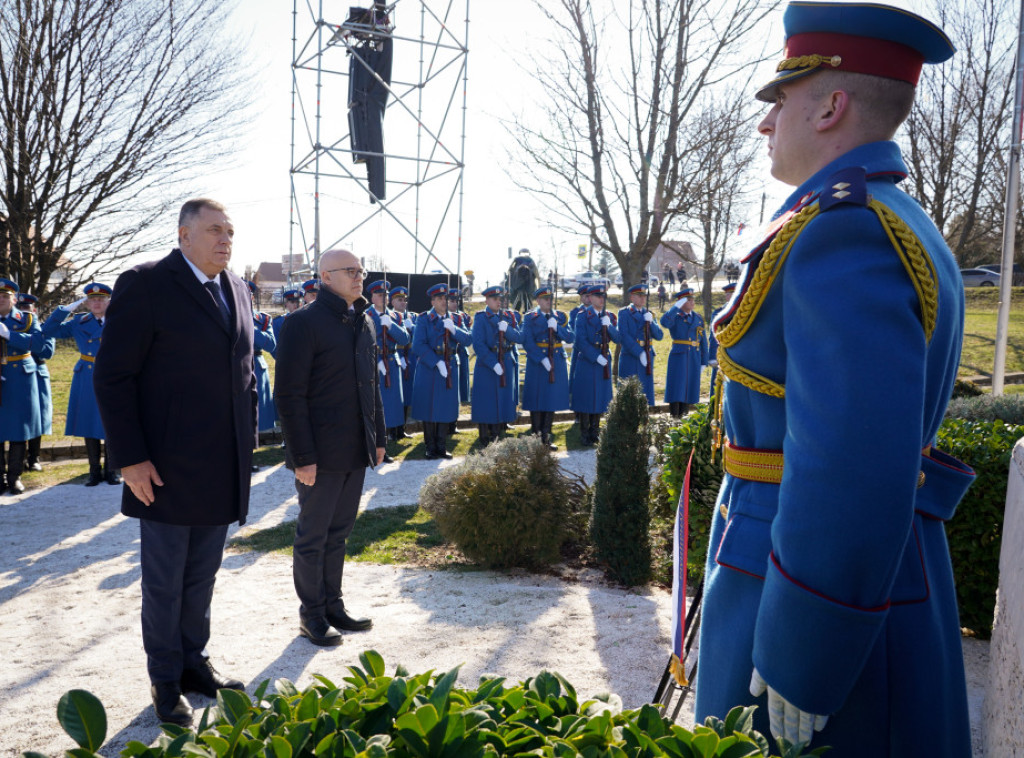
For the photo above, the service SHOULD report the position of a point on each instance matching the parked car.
(997, 268)
(572, 281)
(979, 277)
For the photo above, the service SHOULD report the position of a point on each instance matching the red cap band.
(861, 55)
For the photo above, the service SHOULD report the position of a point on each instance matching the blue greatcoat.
(517, 321)
(539, 392)
(574, 358)
(19, 417)
(464, 321)
(407, 321)
(264, 340)
(836, 583)
(277, 324)
(631, 329)
(492, 403)
(391, 396)
(689, 354)
(83, 418)
(591, 391)
(713, 347)
(41, 355)
(432, 399)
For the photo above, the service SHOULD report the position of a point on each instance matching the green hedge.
(373, 715)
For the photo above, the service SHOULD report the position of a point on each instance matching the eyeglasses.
(353, 273)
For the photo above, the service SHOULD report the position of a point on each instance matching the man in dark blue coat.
(327, 392)
(175, 388)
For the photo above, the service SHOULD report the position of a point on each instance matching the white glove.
(385, 320)
(442, 369)
(382, 368)
(449, 325)
(552, 322)
(602, 361)
(712, 362)
(606, 320)
(545, 363)
(679, 303)
(643, 359)
(75, 305)
(4, 332)
(498, 369)
(401, 361)
(648, 316)
(502, 326)
(785, 719)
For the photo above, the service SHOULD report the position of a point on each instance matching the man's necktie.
(218, 298)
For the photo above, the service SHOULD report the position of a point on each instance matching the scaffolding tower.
(424, 144)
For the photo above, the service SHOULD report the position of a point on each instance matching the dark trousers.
(179, 567)
(327, 513)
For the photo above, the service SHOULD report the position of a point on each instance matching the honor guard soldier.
(83, 416)
(435, 399)
(292, 302)
(464, 321)
(27, 304)
(264, 339)
(639, 330)
(516, 319)
(713, 343)
(688, 356)
(546, 386)
(309, 290)
(493, 336)
(399, 297)
(390, 336)
(829, 600)
(584, 292)
(594, 331)
(19, 390)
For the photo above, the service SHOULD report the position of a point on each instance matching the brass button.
(920, 479)
(724, 510)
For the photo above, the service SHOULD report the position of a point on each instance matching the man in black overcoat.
(175, 388)
(328, 401)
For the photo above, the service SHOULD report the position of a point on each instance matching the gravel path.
(69, 594)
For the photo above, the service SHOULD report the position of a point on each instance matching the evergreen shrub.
(619, 529)
(1006, 408)
(966, 388)
(509, 505)
(373, 715)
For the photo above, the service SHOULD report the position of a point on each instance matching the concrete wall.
(1004, 699)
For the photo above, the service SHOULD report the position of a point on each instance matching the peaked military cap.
(381, 285)
(495, 290)
(311, 286)
(863, 38)
(730, 287)
(596, 289)
(292, 295)
(252, 287)
(542, 292)
(453, 293)
(638, 288)
(685, 292)
(437, 290)
(95, 289)
(6, 285)
(403, 291)
(24, 298)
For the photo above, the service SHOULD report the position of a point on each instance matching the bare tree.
(109, 110)
(624, 132)
(957, 132)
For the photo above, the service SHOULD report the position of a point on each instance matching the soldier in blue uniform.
(399, 297)
(688, 356)
(516, 319)
(713, 343)
(494, 334)
(594, 331)
(264, 339)
(584, 292)
(390, 336)
(829, 598)
(639, 330)
(292, 302)
(19, 391)
(309, 290)
(464, 321)
(27, 304)
(435, 399)
(83, 417)
(546, 385)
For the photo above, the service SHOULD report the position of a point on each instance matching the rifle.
(447, 357)
(604, 346)
(647, 344)
(384, 354)
(551, 349)
(501, 354)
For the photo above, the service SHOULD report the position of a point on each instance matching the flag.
(581, 251)
(681, 535)
(740, 228)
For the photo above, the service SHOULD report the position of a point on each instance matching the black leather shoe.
(16, 487)
(95, 477)
(446, 455)
(339, 619)
(35, 466)
(206, 680)
(430, 456)
(387, 459)
(114, 476)
(318, 631)
(170, 705)
(254, 468)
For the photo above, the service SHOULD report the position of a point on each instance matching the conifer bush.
(509, 505)
(621, 519)
(1006, 408)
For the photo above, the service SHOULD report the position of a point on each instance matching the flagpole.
(1009, 220)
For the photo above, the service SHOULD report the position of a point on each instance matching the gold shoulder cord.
(809, 61)
(29, 319)
(917, 262)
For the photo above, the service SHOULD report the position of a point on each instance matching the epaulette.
(26, 318)
(264, 321)
(848, 186)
